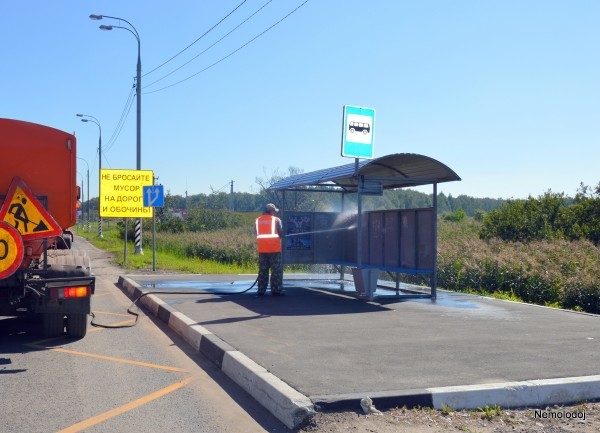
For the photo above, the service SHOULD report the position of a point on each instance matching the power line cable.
(106, 159)
(109, 142)
(120, 128)
(220, 189)
(230, 54)
(195, 57)
(121, 123)
(205, 33)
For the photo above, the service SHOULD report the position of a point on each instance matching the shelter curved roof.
(392, 171)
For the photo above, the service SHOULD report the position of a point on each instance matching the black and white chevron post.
(138, 237)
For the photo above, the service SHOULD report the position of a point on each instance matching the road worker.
(269, 232)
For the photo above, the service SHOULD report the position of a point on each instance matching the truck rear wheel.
(53, 324)
(76, 325)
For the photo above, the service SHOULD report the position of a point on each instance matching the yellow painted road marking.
(110, 358)
(126, 407)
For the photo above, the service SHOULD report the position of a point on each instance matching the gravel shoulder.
(582, 418)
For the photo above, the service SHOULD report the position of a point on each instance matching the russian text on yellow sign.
(121, 193)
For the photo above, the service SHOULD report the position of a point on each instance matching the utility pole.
(186, 203)
(231, 205)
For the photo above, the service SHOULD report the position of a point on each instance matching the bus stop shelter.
(400, 241)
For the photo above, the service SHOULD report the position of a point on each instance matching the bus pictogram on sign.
(23, 211)
(11, 250)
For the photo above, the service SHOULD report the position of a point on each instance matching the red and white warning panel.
(24, 212)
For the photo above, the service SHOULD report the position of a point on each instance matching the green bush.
(526, 220)
(457, 216)
(550, 216)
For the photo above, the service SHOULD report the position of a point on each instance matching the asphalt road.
(142, 378)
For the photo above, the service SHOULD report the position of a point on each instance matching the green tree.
(550, 216)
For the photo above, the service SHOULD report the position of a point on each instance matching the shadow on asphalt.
(298, 301)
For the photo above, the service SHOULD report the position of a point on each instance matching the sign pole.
(153, 196)
(125, 244)
(154, 241)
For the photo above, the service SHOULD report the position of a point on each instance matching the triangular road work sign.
(23, 211)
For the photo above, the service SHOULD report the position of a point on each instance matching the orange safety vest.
(267, 237)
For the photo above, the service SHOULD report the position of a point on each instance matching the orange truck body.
(46, 159)
(40, 275)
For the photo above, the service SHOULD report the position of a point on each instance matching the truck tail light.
(70, 292)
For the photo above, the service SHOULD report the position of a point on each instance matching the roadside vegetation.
(541, 250)
(202, 253)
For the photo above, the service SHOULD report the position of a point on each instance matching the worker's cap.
(271, 207)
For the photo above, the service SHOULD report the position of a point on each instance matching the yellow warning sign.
(11, 249)
(23, 211)
(122, 193)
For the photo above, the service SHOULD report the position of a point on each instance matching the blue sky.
(506, 93)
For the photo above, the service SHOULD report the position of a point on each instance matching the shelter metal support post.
(343, 208)
(283, 241)
(435, 243)
(359, 225)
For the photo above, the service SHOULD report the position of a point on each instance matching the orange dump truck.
(40, 275)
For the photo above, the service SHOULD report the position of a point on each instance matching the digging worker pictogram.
(19, 213)
(269, 232)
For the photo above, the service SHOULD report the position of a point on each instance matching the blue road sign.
(358, 132)
(154, 196)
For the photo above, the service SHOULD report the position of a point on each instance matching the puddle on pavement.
(226, 287)
(446, 300)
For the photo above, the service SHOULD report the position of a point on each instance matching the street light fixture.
(138, 94)
(82, 197)
(87, 118)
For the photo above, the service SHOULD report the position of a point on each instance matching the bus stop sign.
(358, 132)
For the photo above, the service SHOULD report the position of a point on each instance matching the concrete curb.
(287, 404)
(529, 393)
(293, 408)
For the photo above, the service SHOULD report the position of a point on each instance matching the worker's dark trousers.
(270, 261)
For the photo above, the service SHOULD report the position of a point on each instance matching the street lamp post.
(88, 118)
(138, 94)
(82, 199)
(88, 193)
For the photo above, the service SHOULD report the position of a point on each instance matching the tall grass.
(555, 273)
(231, 246)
